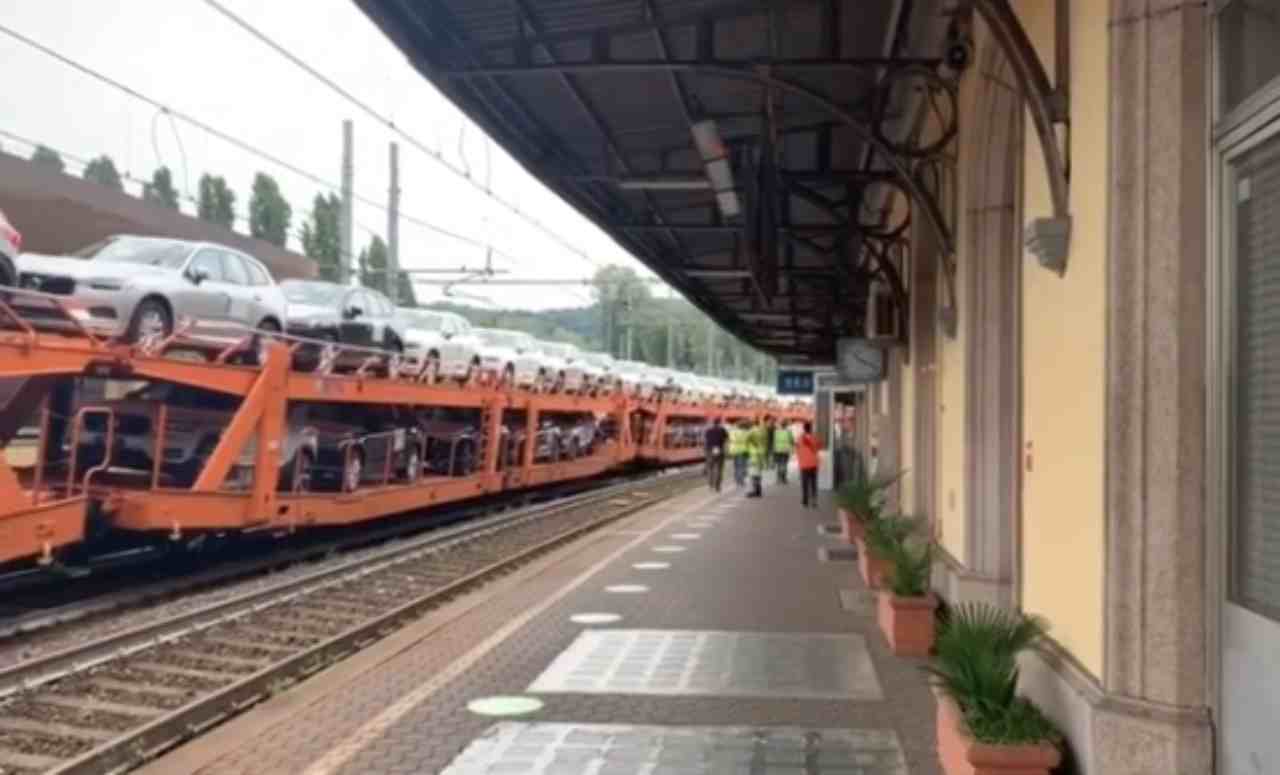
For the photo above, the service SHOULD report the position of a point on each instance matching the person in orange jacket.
(807, 456)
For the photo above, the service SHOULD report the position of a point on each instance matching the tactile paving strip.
(603, 749)
(699, 662)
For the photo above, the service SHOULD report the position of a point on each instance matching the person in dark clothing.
(713, 445)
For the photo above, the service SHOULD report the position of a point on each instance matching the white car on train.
(514, 356)
(565, 366)
(445, 341)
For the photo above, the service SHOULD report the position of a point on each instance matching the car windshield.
(423, 321)
(318, 294)
(598, 359)
(503, 338)
(152, 252)
(566, 351)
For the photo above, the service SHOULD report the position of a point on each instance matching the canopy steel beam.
(764, 67)
(1046, 104)
(575, 91)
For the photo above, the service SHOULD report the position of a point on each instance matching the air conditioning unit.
(884, 317)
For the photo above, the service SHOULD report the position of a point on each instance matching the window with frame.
(1248, 56)
(1254, 181)
(234, 269)
(208, 263)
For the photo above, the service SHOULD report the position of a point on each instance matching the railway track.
(35, 606)
(109, 704)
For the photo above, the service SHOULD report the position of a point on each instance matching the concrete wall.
(59, 214)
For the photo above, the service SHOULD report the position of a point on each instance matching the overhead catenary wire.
(431, 153)
(226, 137)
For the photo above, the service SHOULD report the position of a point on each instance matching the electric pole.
(392, 278)
(626, 311)
(711, 347)
(671, 333)
(346, 222)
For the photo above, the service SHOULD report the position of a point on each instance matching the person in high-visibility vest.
(738, 451)
(783, 443)
(758, 454)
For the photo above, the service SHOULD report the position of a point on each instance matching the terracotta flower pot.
(960, 754)
(872, 566)
(851, 527)
(907, 623)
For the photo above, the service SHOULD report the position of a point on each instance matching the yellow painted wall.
(1063, 340)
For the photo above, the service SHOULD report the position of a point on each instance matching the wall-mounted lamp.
(1049, 239)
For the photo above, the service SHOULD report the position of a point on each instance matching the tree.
(217, 202)
(103, 172)
(373, 266)
(160, 190)
(621, 296)
(321, 239)
(47, 158)
(269, 213)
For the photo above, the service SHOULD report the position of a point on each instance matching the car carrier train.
(172, 434)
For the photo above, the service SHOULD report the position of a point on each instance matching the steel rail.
(54, 666)
(137, 745)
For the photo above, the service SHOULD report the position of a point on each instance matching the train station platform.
(709, 634)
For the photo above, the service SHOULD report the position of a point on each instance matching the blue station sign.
(795, 383)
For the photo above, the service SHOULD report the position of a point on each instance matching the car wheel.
(269, 329)
(413, 465)
(297, 477)
(150, 318)
(431, 368)
(472, 369)
(464, 459)
(196, 465)
(352, 471)
(574, 450)
(8, 274)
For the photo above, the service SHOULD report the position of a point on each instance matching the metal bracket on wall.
(1048, 105)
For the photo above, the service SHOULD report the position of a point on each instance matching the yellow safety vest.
(737, 441)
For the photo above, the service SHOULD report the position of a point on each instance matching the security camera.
(958, 54)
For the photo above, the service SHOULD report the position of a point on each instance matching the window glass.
(138, 250)
(208, 261)
(1255, 524)
(234, 270)
(257, 273)
(361, 299)
(1249, 57)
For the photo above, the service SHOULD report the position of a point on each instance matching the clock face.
(859, 362)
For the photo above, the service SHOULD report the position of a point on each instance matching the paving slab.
(743, 635)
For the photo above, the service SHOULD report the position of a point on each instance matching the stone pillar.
(1154, 715)
(923, 326)
(990, 317)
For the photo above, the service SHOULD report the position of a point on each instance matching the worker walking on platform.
(807, 456)
(781, 449)
(757, 454)
(713, 446)
(738, 451)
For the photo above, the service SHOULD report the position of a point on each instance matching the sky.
(189, 57)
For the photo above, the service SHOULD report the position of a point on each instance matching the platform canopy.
(763, 157)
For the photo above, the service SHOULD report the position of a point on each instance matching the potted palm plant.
(859, 502)
(906, 604)
(883, 533)
(983, 725)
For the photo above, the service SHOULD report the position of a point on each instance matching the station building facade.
(1097, 440)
